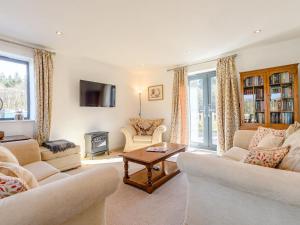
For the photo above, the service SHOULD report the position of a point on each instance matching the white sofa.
(134, 141)
(60, 199)
(225, 191)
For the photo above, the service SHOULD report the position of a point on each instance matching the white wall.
(70, 121)
(275, 54)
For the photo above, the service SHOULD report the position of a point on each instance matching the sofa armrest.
(26, 152)
(63, 200)
(242, 138)
(129, 132)
(157, 134)
(274, 184)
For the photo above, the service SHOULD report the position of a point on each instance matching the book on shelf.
(259, 92)
(260, 117)
(280, 78)
(253, 81)
(287, 92)
(260, 106)
(284, 117)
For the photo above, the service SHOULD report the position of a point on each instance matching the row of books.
(282, 105)
(259, 93)
(285, 118)
(287, 92)
(260, 117)
(282, 78)
(253, 81)
(281, 92)
(260, 106)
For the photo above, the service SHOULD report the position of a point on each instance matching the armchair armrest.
(66, 201)
(157, 134)
(274, 184)
(129, 132)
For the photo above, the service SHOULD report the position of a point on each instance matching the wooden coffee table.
(149, 179)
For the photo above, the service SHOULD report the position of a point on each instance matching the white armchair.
(134, 141)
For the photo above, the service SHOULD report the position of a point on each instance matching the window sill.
(17, 121)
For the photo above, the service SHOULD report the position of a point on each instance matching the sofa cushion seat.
(41, 170)
(48, 155)
(236, 153)
(55, 177)
(140, 138)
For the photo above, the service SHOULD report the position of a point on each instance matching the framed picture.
(155, 93)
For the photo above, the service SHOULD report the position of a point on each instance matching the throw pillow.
(15, 170)
(270, 141)
(10, 186)
(266, 157)
(7, 156)
(291, 129)
(145, 126)
(292, 160)
(261, 133)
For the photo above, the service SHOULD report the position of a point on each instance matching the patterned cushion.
(270, 141)
(266, 157)
(261, 133)
(10, 186)
(145, 126)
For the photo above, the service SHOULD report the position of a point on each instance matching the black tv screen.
(95, 94)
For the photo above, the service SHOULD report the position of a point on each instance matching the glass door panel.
(202, 95)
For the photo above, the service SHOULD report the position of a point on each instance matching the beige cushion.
(15, 170)
(140, 138)
(145, 126)
(41, 170)
(47, 154)
(292, 160)
(55, 177)
(270, 141)
(236, 153)
(26, 152)
(292, 128)
(7, 156)
(267, 157)
(66, 163)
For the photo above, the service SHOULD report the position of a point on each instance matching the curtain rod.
(22, 44)
(201, 62)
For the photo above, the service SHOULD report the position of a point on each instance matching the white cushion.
(270, 141)
(236, 153)
(55, 177)
(140, 138)
(41, 170)
(7, 156)
(292, 160)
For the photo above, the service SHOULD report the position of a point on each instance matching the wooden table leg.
(163, 167)
(126, 176)
(149, 179)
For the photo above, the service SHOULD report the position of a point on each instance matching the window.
(14, 88)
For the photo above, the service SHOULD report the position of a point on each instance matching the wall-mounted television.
(95, 94)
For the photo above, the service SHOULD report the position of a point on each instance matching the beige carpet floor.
(131, 206)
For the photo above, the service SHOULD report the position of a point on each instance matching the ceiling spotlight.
(257, 31)
(59, 33)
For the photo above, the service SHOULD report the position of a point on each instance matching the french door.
(202, 109)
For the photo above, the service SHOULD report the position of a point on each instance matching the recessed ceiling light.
(257, 31)
(59, 33)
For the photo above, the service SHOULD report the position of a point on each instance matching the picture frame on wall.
(156, 93)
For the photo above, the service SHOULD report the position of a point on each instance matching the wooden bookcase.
(269, 97)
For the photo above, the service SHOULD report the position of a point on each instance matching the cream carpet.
(131, 206)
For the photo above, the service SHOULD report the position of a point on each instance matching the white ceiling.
(153, 33)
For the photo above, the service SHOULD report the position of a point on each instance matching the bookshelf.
(269, 97)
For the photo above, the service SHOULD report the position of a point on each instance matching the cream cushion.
(292, 160)
(15, 170)
(26, 152)
(67, 162)
(270, 141)
(7, 156)
(55, 177)
(48, 155)
(292, 128)
(140, 138)
(236, 153)
(41, 170)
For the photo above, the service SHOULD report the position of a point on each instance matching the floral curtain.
(179, 120)
(228, 112)
(44, 74)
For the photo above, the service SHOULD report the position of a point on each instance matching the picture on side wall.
(155, 93)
